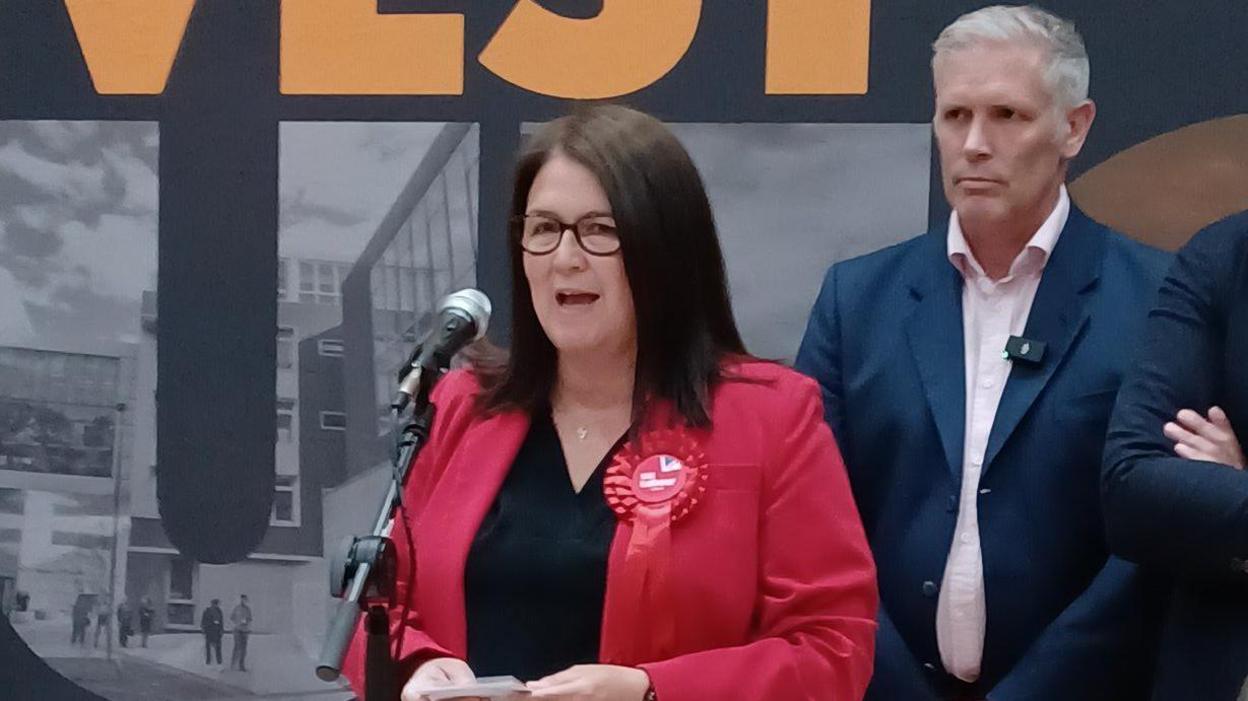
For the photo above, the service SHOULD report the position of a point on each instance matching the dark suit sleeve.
(819, 356)
(898, 675)
(1188, 517)
(1086, 651)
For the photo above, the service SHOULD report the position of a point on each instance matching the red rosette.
(651, 484)
(626, 485)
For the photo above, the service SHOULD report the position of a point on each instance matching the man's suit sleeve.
(819, 356)
(898, 675)
(1188, 517)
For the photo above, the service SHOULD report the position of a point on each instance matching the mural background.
(203, 291)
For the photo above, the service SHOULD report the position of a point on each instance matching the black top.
(537, 570)
(213, 620)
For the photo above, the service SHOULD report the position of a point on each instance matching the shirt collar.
(1033, 257)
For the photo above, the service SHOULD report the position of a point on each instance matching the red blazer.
(772, 583)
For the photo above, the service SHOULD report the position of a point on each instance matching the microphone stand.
(363, 576)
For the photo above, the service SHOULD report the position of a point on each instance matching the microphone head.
(471, 303)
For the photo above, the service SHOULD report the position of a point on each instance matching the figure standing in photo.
(212, 622)
(240, 617)
(146, 615)
(125, 622)
(103, 614)
(81, 620)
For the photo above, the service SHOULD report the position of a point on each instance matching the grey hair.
(1068, 70)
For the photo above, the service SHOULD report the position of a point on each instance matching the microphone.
(1026, 350)
(463, 317)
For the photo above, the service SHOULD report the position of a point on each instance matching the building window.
(180, 614)
(329, 347)
(333, 421)
(307, 277)
(180, 599)
(16, 461)
(181, 579)
(285, 419)
(285, 347)
(327, 282)
(320, 282)
(89, 541)
(284, 500)
(281, 278)
(12, 501)
(84, 505)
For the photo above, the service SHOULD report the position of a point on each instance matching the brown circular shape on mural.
(1166, 189)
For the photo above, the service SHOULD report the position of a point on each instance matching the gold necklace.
(582, 431)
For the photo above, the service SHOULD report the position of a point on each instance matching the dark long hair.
(685, 327)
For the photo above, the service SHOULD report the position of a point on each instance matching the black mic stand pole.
(364, 575)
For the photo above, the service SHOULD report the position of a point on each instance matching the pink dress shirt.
(992, 311)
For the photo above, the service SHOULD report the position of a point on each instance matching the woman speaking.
(628, 507)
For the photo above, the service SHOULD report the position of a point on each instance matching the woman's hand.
(1211, 439)
(593, 682)
(440, 671)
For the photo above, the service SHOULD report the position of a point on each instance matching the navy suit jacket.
(885, 342)
(1187, 518)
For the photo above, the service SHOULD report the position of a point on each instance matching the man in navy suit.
(969, 374)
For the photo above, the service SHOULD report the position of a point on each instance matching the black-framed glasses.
(541, 234)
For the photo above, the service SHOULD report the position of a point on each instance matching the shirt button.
(966, 538)
(987, 383)
(929, 589)
(959, 614)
